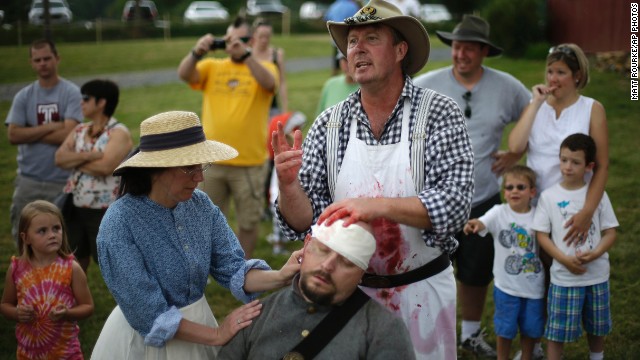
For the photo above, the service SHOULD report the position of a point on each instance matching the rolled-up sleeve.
(164, 327)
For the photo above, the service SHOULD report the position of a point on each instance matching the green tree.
(516, 25)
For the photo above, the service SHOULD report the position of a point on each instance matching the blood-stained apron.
(428, 307)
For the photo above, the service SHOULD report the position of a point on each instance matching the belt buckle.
(376, 282)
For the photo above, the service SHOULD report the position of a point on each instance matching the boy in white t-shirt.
(579, 290)
(518, 291)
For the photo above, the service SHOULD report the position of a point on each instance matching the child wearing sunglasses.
(518, 272)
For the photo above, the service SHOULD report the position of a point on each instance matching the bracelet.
(195, 55)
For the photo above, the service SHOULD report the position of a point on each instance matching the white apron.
(118, 340)
(428, 307)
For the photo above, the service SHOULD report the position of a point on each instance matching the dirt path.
(166, 76)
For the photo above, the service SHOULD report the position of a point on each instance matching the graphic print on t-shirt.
(47, 113)
(583, 244)
(523, 258)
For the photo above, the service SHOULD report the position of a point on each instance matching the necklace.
(96, 135)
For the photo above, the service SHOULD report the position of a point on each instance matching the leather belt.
(427, 270)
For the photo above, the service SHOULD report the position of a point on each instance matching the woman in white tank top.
(556, 111)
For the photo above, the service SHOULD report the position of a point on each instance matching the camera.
(218, 44)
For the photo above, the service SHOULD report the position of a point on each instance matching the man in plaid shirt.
(393, 155)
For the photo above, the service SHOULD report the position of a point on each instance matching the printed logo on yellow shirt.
(233, 83)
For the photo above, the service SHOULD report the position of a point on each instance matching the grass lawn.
(137, 104)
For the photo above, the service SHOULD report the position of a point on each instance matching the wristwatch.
(195, 55)
(247, 53)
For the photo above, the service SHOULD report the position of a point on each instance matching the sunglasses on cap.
(520, 187)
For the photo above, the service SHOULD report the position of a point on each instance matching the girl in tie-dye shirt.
(45, 290)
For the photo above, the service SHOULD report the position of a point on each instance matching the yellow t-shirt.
(235, 108)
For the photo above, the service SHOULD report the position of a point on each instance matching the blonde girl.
(45, 289)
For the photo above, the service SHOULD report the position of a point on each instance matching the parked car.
(310, 10)
(200, 12)
(434, 13)
(260, 7)
(59, 12)
(148, 11)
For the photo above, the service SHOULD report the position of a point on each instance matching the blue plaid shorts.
(568, 307)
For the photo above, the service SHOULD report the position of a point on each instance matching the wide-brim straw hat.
(172, 139)
(472, 28)
(382, 12)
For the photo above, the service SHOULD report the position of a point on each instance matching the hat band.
(172, 140)
(470, 33)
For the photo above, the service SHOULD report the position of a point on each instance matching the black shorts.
(82, 231)
(474, 256)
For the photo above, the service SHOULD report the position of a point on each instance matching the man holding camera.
(237, 93)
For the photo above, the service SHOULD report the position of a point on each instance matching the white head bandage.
(355, 242)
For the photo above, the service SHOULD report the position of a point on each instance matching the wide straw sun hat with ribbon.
(172, 139)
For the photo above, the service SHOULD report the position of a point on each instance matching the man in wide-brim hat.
(471, 29)
(490, 99)
(396, 156)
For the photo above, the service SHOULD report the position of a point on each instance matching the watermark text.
(634, 51)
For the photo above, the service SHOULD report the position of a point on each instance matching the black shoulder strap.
(329, 327)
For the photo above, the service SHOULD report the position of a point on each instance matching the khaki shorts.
(245, 184)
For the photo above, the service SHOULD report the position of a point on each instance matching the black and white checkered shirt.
(448, 161)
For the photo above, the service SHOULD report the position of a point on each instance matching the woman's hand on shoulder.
(237, 320)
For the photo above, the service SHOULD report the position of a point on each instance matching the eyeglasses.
(520, 187)
(467, 110)
(194, 169)
(86, 97)
(563, 49)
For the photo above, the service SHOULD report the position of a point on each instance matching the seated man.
(334, 260)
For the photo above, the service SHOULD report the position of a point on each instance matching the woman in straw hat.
(159, 242)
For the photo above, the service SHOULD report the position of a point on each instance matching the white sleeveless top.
(547, 134)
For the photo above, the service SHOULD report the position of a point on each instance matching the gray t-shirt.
(34, 106)
(496, 100)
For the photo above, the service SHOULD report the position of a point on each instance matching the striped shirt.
(448, 161)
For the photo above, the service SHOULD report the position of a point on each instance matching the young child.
(579, 290)
(45, 290)
(518, 291)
